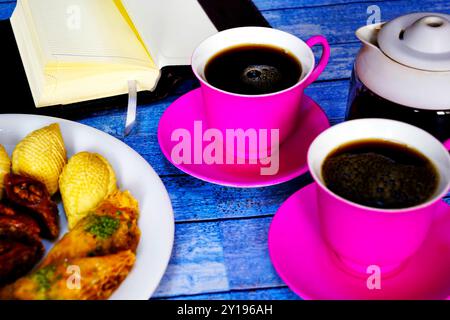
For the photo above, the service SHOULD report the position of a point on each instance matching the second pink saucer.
(292, 155)
(307, 265)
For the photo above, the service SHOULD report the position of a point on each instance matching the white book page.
(86, 31)
(170, 29)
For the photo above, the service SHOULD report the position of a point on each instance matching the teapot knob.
(429, 34)
(418, 40)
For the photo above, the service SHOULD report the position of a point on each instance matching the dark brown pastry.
(16, 221)
(19, 253)
(33, 196)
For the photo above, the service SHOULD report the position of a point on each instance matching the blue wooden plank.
(197, 263)
(206, 296)
(257, 294)
(266, 5)
(265, 294)
(207, 201)
(220, 256)
(246, 254)
(213, 257)
(339, 22)
(6, 10)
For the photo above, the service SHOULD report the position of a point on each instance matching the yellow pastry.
(5, 167)
(41, 155)
(86, 180)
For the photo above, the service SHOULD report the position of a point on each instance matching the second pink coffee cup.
(362, 236)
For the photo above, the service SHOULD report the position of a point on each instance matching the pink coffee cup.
(363, 236)
(279, 110)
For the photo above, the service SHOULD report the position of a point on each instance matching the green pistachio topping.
(44, 277)
(103, 226)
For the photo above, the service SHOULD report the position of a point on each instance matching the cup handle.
(319, 40)
(447, 145)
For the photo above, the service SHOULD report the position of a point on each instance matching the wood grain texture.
(6, 9)
(282, 293)
(245, 249)
(265, 5)
(197, 264)
(220, 247)
(219, 256)
(212, 202)
(339, 22)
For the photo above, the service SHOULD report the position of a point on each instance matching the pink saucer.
(311, 270)
(189, 108)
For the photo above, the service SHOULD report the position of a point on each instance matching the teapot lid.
(418, 40)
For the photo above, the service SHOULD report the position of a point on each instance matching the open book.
(79, 50)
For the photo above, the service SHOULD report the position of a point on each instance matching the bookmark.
(132, 106)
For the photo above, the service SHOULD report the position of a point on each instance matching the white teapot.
(402, 72)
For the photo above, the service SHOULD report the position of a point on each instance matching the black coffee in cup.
(380, 174)
(253, 69)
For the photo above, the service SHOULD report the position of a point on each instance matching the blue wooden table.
(220, 247)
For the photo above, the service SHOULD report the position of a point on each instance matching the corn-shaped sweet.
(41, 155)
(5, 168)
(86, 180)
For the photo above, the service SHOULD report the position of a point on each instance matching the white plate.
(156, 219)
